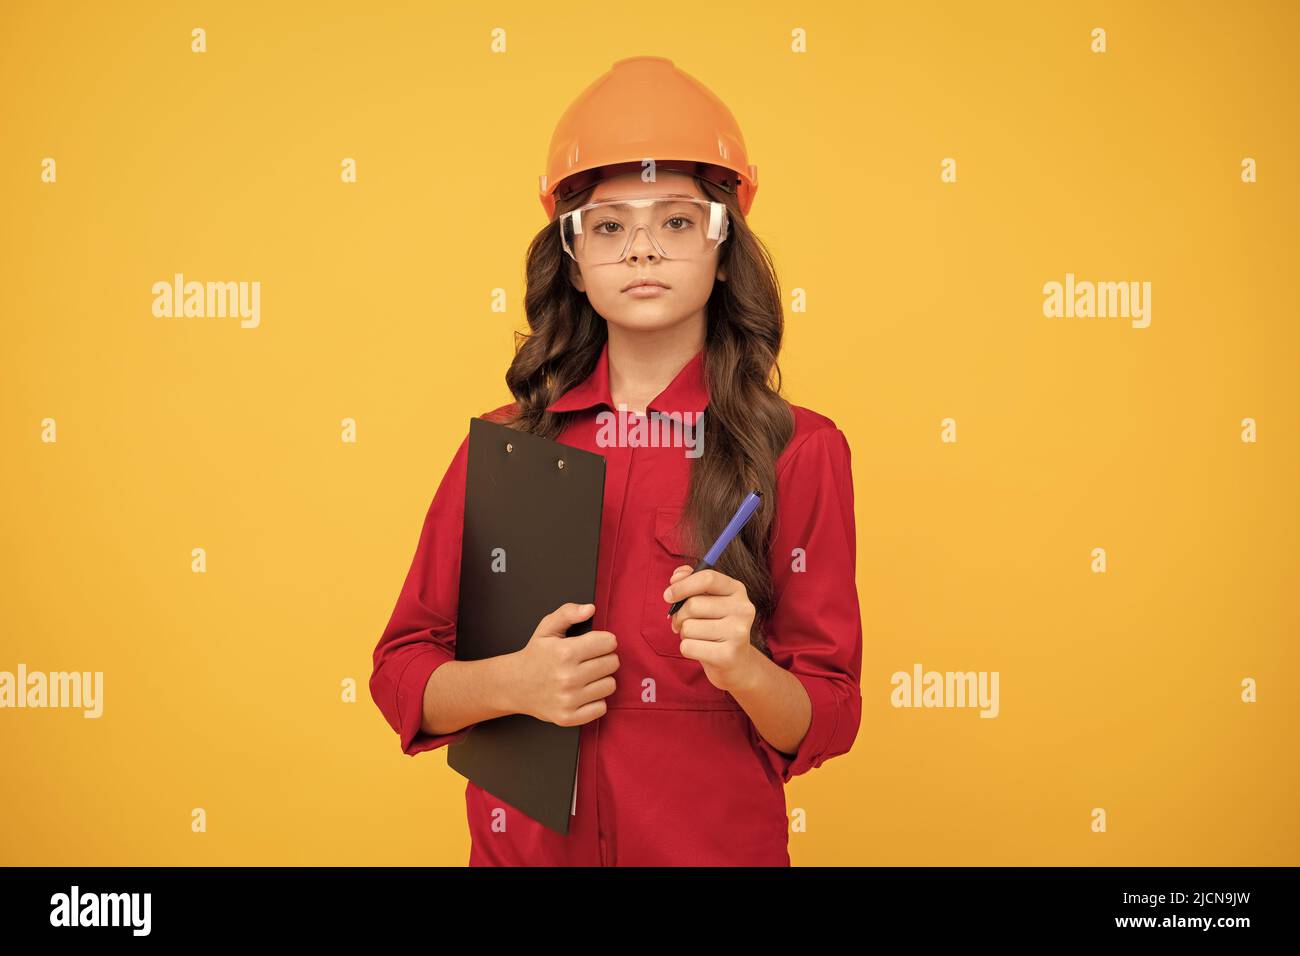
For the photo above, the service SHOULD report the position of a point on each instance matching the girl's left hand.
(714, 624)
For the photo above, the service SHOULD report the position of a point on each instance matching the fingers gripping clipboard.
(531, 543)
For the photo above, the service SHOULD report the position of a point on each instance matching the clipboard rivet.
(561, 463)
(509, 447)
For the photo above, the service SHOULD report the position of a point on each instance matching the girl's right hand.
(565, 680)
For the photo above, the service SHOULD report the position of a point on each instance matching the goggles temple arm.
(715, 220)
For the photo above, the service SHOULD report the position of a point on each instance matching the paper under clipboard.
(531, 543)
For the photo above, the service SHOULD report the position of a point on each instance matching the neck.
(642, 364)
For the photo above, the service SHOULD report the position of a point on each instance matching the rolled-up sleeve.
(421, 633)
(815, 631)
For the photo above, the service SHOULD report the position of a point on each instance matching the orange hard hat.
(646, 108)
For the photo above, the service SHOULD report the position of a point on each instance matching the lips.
(644, 283)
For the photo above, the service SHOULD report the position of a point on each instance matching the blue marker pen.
(738, 521)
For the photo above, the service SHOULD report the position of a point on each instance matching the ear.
(722, 273)
(575, 275)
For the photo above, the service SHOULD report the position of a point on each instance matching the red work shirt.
(674, 773)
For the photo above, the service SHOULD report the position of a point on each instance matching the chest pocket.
(668, 552)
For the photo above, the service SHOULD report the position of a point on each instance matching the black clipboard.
(531, 543)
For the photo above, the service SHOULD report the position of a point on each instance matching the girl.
(654, 311)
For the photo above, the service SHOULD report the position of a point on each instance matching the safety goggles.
(600, 233)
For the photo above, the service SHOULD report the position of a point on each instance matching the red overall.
(674, 773)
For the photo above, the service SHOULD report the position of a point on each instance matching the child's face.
(689, 281)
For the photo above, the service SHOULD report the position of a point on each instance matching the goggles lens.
(601, 232)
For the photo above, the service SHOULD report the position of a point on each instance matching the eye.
(607, 222)
(685, 223)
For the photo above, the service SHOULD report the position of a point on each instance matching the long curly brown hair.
(747, 423)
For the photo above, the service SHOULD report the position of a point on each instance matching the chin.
(644, 321)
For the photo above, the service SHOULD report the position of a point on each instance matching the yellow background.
(222, 690)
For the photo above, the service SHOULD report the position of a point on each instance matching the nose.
(639, 247)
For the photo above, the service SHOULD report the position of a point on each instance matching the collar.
(687, 392)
